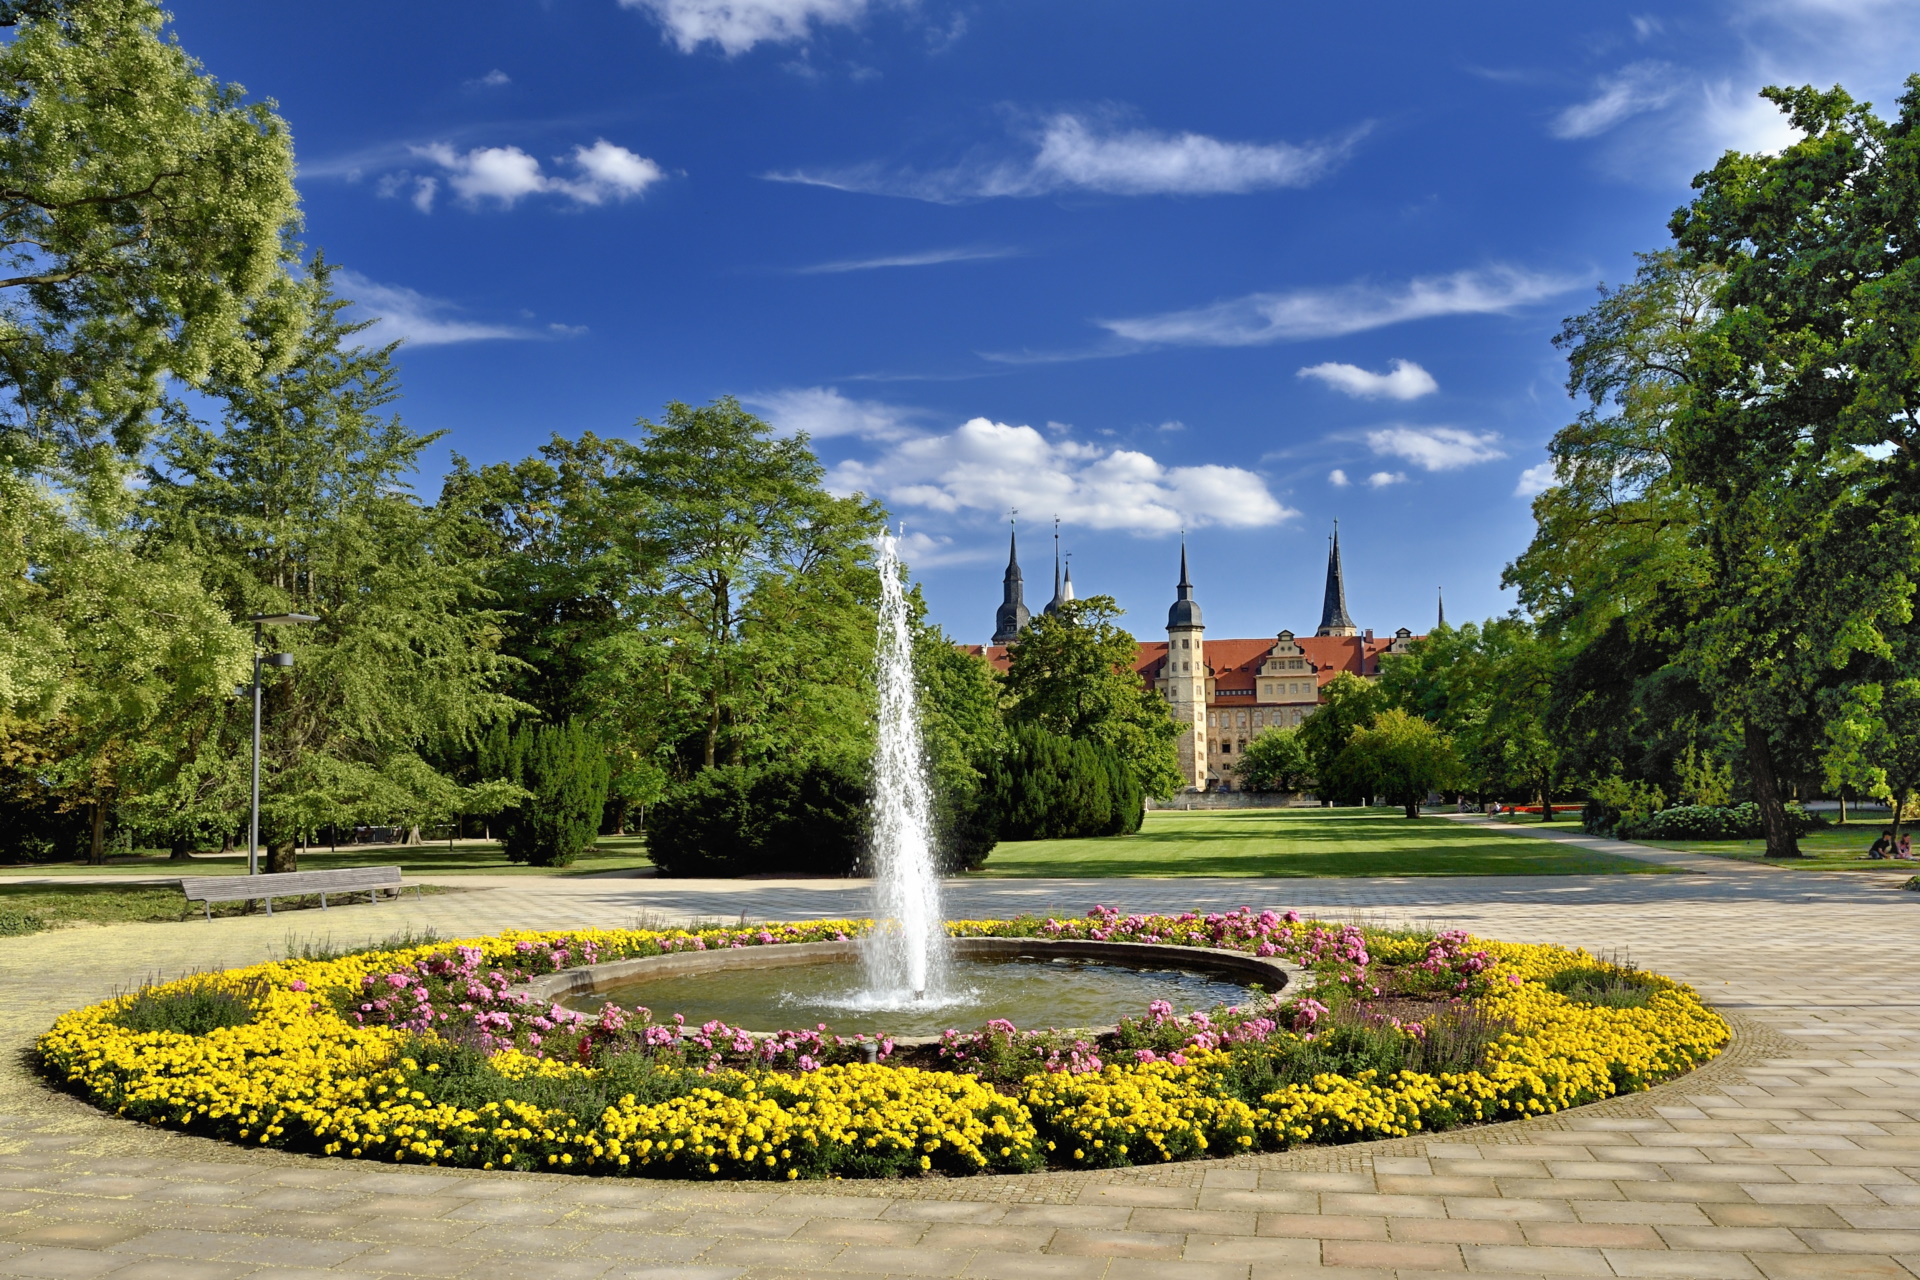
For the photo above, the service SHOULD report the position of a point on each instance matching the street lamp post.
(260, 620)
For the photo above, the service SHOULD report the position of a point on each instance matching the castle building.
(1225, 693)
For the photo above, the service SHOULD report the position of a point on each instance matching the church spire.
(1010, 619)
(1334, 619)
(1053, 605)
(1441, 592)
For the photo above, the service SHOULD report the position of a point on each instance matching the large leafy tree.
(299, 502)
(1274, 761)
(1399, 756)
(1801, 425)
(1347, 702)
(1072, 674)
(145, 214)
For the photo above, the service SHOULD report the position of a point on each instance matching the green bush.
(191, 1010)
(1610, 986)
(15, 924)
(1710, 822)
(566, 769)
(807, 818)
(1045, 787)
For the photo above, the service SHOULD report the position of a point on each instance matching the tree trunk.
(1781, 842)
(97, 844)
(282, 855)
(1843, 806)
(181, 850)
(713, 732)
(1413, 808)
(413, 837)
(1899, 802)
(1546, 800)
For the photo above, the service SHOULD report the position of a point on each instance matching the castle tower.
(1334, 619)
(1185, 679)
(1010, 619)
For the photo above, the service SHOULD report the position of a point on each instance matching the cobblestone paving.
(1796, 1156)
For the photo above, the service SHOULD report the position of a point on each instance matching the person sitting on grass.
(1883, 847)
(1906, 845)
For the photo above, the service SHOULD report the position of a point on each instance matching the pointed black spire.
(1334, 619)
(1186, 610)
(1010, 619)
(1441, 592)
(1053, 605)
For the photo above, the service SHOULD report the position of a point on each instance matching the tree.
(146, 215)
(1275, 761)
(960, 724)
(1874, 743)
(1071, 673)
(752, 636)
(299, 503)
(1346, 703)
(563, 772)
(1801, 424)
(1399, 756)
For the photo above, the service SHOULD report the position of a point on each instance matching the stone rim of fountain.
(1272, 973)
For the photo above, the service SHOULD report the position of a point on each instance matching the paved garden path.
(1795, 1155)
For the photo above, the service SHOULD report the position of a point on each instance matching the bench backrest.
(287, 883)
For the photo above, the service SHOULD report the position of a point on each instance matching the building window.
(1226, 748)
(1241, 719)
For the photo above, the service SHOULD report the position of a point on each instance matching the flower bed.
(427, 1055)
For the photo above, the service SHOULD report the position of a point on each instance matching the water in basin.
(1032, 994)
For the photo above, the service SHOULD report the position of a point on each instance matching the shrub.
(807, 818)
(1710, 822)
(1045, 787)
(1608, 986)
(566, 769)
(192, 1009)
(14, 924)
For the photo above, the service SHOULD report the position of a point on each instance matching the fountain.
(905, 959)
(907, 977)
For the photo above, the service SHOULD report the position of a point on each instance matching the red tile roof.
(1236, 663)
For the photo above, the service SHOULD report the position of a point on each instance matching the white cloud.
(930, 551)
(494, 79)
(1406, 381)
(1338, 478)
(991, 466)
(1436, 448)
(1535, 479)
(927, 258)
(1076, 153)
(1172, 424)
(823, 411)
(738, 25)
(605, 171)
(1632, 91)
(404, 314)
(1381, 479)
(1260, 318)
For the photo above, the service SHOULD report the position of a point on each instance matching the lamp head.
(280, 619)
(279, 659)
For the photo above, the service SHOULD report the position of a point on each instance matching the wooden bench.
(207, 890)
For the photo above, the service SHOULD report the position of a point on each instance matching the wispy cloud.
(738, 25)
(1075, 152)
(403, 314)
(1632, 91)
(986, 466)
(1381, 479)
(602, 173)
(1261, 318)
(1535, 479)
(925, 258)
(494, 79)
(1405, 381)
(822, 411)
(1436, 448)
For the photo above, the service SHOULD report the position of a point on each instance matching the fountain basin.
(1034, 982)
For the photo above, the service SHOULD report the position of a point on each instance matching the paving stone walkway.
(1795, 1156)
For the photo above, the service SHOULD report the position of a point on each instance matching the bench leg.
(207, 903)
(269, 906)
(323, 902)
(373, 896)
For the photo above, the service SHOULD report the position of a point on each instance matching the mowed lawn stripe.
(1303, 842)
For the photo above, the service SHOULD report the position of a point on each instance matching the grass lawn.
(1838, 848)
(466, 857)
(1302, 842)
(29, 908)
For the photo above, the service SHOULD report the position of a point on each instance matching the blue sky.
(1238, 268)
